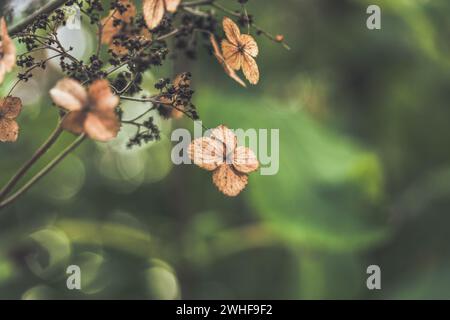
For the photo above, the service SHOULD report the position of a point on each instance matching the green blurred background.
(364, 173)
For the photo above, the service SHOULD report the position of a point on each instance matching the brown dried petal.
(102, 126)
(250, 45)
(245, 160)
(231, 31)
(231, 55)
(228, 70)
(74, 122)
(102, 97)
(250, 69)
(10, 107)
(226, 136)
(9, 130)
(229, 181)
(206, 153)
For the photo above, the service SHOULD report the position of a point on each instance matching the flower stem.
(36, 156)
(43, 172)
(46, 9)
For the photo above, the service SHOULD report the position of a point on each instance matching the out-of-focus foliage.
(364, 174)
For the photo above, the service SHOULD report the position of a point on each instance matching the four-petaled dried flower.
(239, 51)
(154, 10)
(230, 164)
(117, 27)
(228, 70)
(7, 51)
(10, 108)
(90, 111)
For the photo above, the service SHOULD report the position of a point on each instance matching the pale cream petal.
(245, 160)
(153, 11)
(69, 94)
(250, 69)
(102, 97)
(229, 181)
(9, 130)
(231, 30)
(227, 137)
(172, 5)
(250, 45)
(206, 153)
(10, 107)
(231, 55)
(102, 127)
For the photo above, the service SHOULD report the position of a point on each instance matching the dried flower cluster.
(136, 40)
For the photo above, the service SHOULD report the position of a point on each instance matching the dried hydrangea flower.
(228, 70)
(7, 51)
(154, 10)
(117, 25)
(10, 109)
(230, 164)
(90, 111)
(239, 51)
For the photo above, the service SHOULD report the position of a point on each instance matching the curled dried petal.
(228, 70)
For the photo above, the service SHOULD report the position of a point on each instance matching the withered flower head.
(172, 104)
(230, 164)
(154, 10)
(90, 111)
(7, 51)
(10, 108)
(239, 51)
(117, 26)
